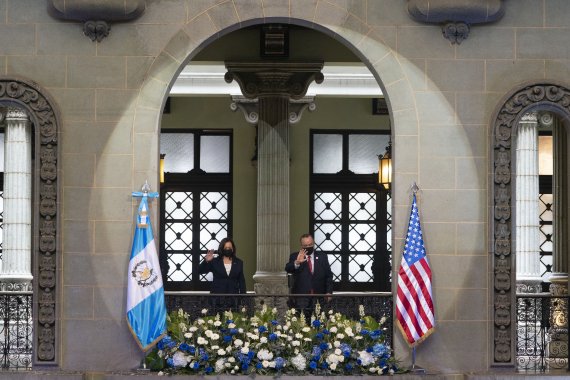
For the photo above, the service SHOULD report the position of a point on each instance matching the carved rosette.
(504, 277)
(45, 285)
(291, 79)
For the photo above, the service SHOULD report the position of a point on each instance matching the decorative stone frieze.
(95, 14)
(504, 279)
(456, 16)
(45, 215)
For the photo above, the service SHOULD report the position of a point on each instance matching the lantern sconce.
(162, 168)
(385, 167)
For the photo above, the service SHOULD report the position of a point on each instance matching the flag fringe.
(148, 346)
(417, 342)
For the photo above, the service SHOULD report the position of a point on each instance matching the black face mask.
(309, 250)
(228, 252)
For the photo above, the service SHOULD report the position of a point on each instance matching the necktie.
(310, 262)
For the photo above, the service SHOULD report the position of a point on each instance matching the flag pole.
(415, 368)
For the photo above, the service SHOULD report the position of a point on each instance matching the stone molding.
(95, 14)
(45, 214)
(456, 16)
(291, 79)
(250, 108)
(502, 224)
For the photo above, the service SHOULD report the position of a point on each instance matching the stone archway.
(502, 221)
(31, 98)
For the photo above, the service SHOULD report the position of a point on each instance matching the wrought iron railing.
(542, 332)
(16, 330)
(376, 305)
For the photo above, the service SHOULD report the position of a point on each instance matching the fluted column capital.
(14, 113)
(529, 118)
(262, 79)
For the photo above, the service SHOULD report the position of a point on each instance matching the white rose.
(231, 359)
(265, 364)
(210, 321)
(208, 333)
(221, 352)
(295, 343)
(333, 366)
(238, 342)
(338, 351)
(289, 338)
(214, 348)
(201, 321)
(336, 344)
(215, 336)
(307, 339)
(298, 335)
(245, 350)
(340, 336)
(188, 335)
(202, 341)
(333, 329)
(227, 365)
(263, 340)
(232, 326)
(204, 311)
(306, 329)
(193, 329)
(240, 330)
(217, 323)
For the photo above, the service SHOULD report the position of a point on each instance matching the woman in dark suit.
(227, 270)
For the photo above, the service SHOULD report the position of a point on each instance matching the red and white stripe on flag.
(414, 304)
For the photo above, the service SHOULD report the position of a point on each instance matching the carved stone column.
(527, 206)
(274, 84)
(16, 271)
(558, 345)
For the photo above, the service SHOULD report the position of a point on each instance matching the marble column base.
(271, 283)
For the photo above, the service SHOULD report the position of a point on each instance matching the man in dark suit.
(311, 274)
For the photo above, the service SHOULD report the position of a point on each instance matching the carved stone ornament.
(504, 287)
(291, 79)
(456, 16)
(95, 14)
(250, 109)
(30, 98)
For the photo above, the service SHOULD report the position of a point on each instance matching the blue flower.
(313, 365)
(378, 350)
(272, 337)
(229, 321)
(348, 367)
(170, 362)
(227, 338)
(279, 362)
(363, 332)
(316, 351)
(345, 348)
(369, 349)
(203, 354)
(166, 342)
(259, 366)
(233, 331)
(316, 323)
(245, 366)
(196, 366)
(324, 365)
(209, 370)
(326, 332)
(324, 346)
(274, 322)
(319, 336)
(184, 347)
(376, 334)
(251, 354)
(382, 362)
(262, 329)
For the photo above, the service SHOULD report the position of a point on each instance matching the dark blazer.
(321, 281)
(222, 283)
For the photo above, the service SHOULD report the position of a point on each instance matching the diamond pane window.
(178, 236)
(362, 237)
(328, 236)
(327, 154)
(335, 262)
(546, 238)
(211, 234)
(205, 277)
(178, 205)
(328, 206)
(179, 267)
(363, 152)
(360, 268)
(362, 206)
(214, 205)
(2, 152)
(179, 151)
(215, 154)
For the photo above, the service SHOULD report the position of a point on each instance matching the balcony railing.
(376, 305)
(16, 330)
(542, 332)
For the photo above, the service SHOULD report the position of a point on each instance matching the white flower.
(243, 309)
(306, 339)
(299, 362)
(236, 367)
(215, 336)
(246, 344)
(204, 311)
(295, 343)
(372, 369)
(340, 336)
(232, 326)
(238, 342)
(382, 320)
(179, 359)
(240, 330)
(193, 329)
(333, 366)
(306, 329)
(336, 344)
(366, 358)
(289, 338)
(202, 341)
(245, 350)
(265, 363)
(254, 337)
(263, 339)
(361, 311)
(210, 321)
(208, 333)
(217, 323)
(264, 354)
(391, 371)
(231, 359)
(286, 327)
(161, 373)
(221, 352)
(298, 335)
(358, 337)
(333, 330)
(188, 335)
(214, 348)
(233, 372)
(219, 367)
(227, 365)
(338, 351)
(200, 322)
(296, 351)
(294, 319)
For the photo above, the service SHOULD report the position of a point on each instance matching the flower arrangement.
(233, 343)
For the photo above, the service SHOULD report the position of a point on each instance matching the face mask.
(227, 252)
(309, 250)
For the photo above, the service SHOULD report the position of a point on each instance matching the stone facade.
(445, 103)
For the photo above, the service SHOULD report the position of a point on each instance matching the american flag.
(414, 306)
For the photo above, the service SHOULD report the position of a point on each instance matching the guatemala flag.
(146, 309)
